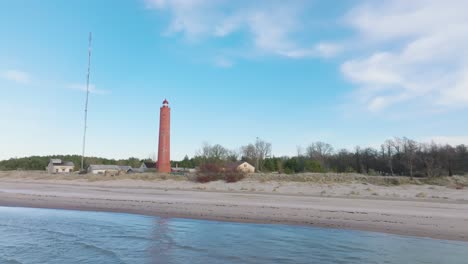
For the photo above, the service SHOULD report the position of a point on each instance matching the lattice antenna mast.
(86, 104)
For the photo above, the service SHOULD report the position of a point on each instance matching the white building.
(246, 167)
(148, 167)
(109, 169)
(59, 166)
(241, 166)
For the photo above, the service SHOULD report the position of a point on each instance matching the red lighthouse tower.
(164, 148)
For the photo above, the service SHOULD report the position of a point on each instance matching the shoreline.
(238, 221)
(439, 219)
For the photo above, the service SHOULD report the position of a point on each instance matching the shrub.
(421, 195)
(214, 172)
(393, 181)
(313, 166)
(233, 176)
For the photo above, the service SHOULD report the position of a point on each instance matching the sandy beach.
(416, 210)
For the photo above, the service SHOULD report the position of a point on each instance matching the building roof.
(150, 164)
(103, 167)
(125, 168)
(109, 167)
(165, 101)
(235, 165)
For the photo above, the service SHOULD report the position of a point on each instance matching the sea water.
(60, 236)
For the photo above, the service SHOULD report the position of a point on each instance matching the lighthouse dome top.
(165, 102)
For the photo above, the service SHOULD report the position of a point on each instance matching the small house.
(109, 169)
(241, 166)
(148, 166)
(59, 166)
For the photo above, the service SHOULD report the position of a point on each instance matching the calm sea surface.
(59, 236)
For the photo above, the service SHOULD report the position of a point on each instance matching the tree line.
(40, 162)
(396, 157)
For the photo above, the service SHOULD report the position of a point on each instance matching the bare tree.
(461, 159)
(410, 148)
(387, 154)
(300, 151)
(319, 151)
(257, 153)
(397, 156)
(449, 158)
(429, 158)
(369, 156)
(357, 155)
(232, 155)
(213, 153)
(219, 152)
(263, 150)
(397, 144)
(249, 153)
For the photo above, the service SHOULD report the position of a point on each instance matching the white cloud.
(322, 49)
(417, 53)
(271, 26)
(375, 69)
(223, 62)
(377, 103)
(458, 94)
(82, 87)
(328, 49)
(402, 52)
(16, 76)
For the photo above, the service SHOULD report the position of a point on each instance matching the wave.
(9, 261)
(131, 237)
(103, 251)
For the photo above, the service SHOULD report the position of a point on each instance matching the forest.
(397, 156)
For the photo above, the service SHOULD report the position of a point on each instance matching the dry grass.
(455, 182)
(40, 175)
(329, 178)
(421, 195)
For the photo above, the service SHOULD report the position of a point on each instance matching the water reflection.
(162, 243)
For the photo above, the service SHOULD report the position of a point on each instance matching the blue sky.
(290, 72)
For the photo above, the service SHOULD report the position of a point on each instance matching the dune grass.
(456, 182)
(348, 178)
(326, 178)
(40, 175)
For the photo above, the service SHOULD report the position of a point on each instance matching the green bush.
(313, 166)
